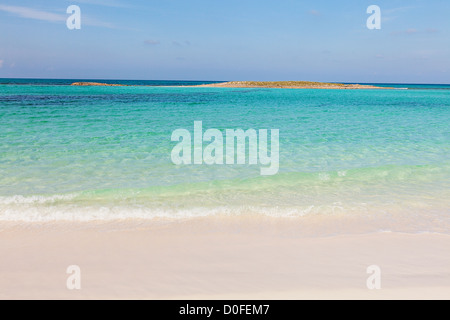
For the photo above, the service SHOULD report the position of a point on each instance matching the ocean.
(72, 153)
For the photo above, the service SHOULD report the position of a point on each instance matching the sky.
(267, 40)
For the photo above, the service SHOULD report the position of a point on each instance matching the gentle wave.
(35, 199)
(70, 208)
(111, 213)
(362, 191)
(313, 220)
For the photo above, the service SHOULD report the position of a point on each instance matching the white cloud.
(152, 42)
(410, 32)
(181, 44)
(400, 9)
(97, 23)
(31, 13)
(387, 14)
(314, 12)
(105, 3)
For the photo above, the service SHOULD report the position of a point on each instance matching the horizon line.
(111, 79)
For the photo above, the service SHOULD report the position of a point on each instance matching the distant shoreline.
(258, 84)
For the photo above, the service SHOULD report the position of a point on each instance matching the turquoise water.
(86, 153)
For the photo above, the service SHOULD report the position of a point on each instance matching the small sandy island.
(97, 84)
(259, 84)
(289, 85)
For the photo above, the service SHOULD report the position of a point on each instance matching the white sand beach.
(217, 258)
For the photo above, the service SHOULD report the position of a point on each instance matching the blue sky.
(318, 40)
